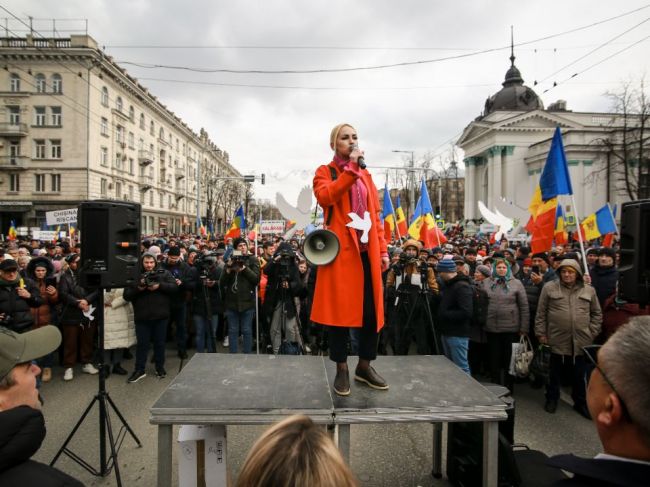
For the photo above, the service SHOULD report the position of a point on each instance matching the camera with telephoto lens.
(204, 264)
(151, 278)
(237, 258)
(404, 260)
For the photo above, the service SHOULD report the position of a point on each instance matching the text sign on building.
(271, 226)
(61, 217)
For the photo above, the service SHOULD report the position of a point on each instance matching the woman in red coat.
(348, 290)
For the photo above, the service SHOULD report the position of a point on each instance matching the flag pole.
(582, 244)
(613, 219)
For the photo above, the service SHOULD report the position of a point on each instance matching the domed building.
(506, 147)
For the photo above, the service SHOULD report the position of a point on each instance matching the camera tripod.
(421, 301)
(103, 400)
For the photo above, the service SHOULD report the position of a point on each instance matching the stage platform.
(261, 389)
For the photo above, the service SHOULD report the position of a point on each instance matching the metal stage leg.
(490, 453)
(344, 441)
(165, 455)
(437, 451)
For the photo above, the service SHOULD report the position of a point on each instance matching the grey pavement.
(381, 455)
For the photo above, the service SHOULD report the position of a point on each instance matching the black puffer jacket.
(187, 275)
(152, 305)
(17, 309)
(604, 279)
(22, 430)
(455, 309)
(274, 291)
(70, 293)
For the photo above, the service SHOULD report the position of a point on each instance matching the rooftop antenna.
(512, 47)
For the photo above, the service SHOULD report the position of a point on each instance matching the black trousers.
(499, 353)
(368, 336)
(566, 366)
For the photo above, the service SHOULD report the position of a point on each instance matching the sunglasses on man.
(591, 354)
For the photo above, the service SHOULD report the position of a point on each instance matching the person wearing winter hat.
(455, 313)
(604, 274)
(568, 319)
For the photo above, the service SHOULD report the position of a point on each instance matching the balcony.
(18, 163)
(13, 129)
(145, 157)
(146, 182)
(179, 172)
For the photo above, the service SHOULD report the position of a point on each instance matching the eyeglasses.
(591, 352)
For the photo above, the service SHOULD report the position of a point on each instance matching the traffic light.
(263, 178)
(437, 212)
(249, 178)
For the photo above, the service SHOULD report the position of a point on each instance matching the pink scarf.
(358, 192)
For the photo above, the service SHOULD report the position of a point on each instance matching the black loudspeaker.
(110, 246)
(634, 267)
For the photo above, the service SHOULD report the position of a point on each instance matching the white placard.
(45, 235)
(487, 228)
(61, 217)
(271, 226)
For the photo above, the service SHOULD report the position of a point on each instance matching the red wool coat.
(338, 298)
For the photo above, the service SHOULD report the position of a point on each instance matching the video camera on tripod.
(204, 264)
(152, 278)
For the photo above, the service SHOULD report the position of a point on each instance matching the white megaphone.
(321, 247)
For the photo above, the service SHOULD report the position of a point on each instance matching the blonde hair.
(292, 453)
(335, 133)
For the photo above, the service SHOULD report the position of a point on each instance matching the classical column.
(470, 200)
(497, 177)
(490, 181)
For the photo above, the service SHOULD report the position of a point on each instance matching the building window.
(14, 182)
(39, 119)
(118, 190)
(118, 104)
(140, 144)
(118, 161)
(132, 114)
(103, 156)
(104, 127)
(39, 149)
(131, 140)
(40, 83)
(105, 96)
(55, 147)
(14, 115)
(103, 183)
(152, 128)
(57, 120)
(142, 122)
(130, 192)
(56, 183)
(14, 82)
(131, 166)
(161, 200)
(161, 134)
(120, 134)
(151, 198)
(39, 183)
(57, 83)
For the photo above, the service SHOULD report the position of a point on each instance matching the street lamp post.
(411, 180)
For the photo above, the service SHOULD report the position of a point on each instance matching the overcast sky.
(284, 132)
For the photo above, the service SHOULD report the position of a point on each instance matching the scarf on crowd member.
(15, 282)
(358, 193)
(503, 280)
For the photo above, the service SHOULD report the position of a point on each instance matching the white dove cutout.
(359, 224)
(301, 213)
(89, 314)
(519, 215)
(503, 222)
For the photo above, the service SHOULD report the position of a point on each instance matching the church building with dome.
(506, 147)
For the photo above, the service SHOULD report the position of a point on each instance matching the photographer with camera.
(185, 280)
(284, 284)
(206, 304)
(237, 286)
(410, 284)
(17, 296)
(151, 298)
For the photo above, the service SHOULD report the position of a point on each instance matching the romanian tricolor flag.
(423, 227)
(561, 236)
(555, 181)
(388, 215)
(598, 224)
(400, 219)
(12, 231)
(200, 228)
(238, 225)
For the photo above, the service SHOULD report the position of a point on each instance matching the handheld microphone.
(360, 160)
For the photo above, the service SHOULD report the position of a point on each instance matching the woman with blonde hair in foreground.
(295, 452)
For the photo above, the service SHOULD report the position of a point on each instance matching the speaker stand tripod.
(104, 401)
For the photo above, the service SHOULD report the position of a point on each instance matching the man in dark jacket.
(17, 296)
(151, 304)
(455, 312)
(237, 284)
(22, 427)
(186, 281)
(604, 274)
(618, 398)
(206, 303)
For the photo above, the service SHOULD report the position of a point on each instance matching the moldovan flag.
(200, 228)
(238, 225)
(12, 231)
(388, 215)
(561, 236)
(598, 223)
(423, 227)
(400, 219)
(555, 181)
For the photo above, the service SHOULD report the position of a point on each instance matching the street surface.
(381, 455)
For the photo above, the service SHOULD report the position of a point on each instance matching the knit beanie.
(484, 269)
(446, 265)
